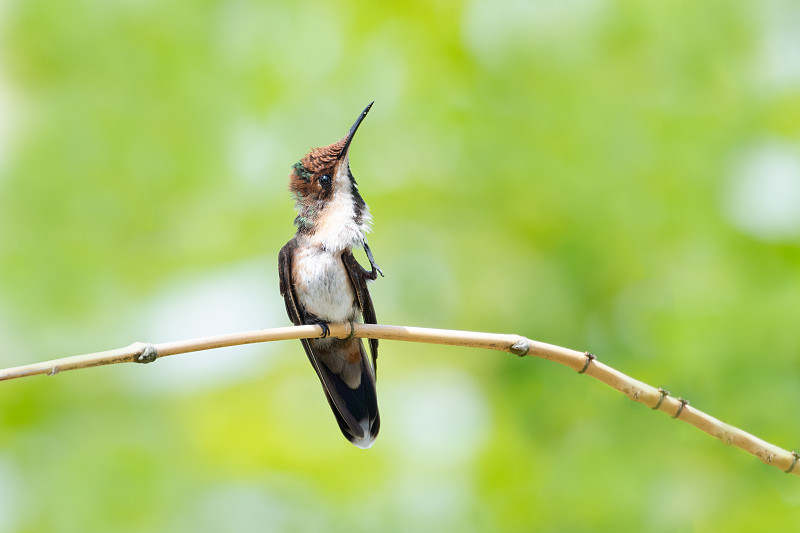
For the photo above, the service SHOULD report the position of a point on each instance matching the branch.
(583, 362)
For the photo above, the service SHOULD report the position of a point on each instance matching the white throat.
(336, 227)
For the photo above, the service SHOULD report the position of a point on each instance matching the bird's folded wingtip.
(370, 434)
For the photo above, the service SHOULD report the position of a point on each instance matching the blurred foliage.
(616, 176)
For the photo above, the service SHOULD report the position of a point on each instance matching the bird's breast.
(322, 285)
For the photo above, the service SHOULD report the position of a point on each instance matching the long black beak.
(353, 130)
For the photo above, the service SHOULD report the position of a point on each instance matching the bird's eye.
(325, 180)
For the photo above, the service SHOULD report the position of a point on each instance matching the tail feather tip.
(368, 439)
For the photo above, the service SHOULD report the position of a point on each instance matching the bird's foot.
(375, 268)
(314, 321)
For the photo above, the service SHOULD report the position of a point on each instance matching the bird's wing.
(293, 308)
(359, 277)
(356, 408)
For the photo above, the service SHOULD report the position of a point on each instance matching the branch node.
(520, 347)
(683, 403)
(795, 457)
(589, 358)
(664, 393)
(53, 371)
(147, 353)
(352, 331)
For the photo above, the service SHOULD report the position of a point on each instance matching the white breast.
(322, 285)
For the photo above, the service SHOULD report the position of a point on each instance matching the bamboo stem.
(584, 363)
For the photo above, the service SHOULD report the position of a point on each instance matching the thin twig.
(582, 362)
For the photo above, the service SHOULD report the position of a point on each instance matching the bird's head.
(321, 174)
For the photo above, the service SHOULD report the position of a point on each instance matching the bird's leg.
(313, 320)
(375, 268)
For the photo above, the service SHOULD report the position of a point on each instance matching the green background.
(617, 176)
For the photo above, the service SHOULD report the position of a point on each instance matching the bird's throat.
(336, 225)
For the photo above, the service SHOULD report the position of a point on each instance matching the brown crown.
(324, 158)
(317, 162)
(304, 182)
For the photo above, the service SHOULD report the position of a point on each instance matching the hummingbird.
(322, 282)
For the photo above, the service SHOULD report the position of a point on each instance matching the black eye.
(325, 180)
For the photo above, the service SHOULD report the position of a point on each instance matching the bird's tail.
(348, 380)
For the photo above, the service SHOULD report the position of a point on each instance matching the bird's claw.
(324, 325)
(375, 268)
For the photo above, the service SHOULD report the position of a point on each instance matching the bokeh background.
(617, 176)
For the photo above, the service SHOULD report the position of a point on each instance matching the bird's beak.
(352, 132)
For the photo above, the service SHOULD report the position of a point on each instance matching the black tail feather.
(355, 409)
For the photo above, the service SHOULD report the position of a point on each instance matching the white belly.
(322, 285)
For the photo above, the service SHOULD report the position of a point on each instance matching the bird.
(322, 282)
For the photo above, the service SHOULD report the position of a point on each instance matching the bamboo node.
(520, 347)
(589, 358)
(795, 457)
(664, 393)
(683, 403)
(147, 353)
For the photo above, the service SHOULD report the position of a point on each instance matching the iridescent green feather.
(302, 171)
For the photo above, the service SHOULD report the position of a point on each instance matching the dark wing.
(356, 409)
(358, 277)
(293, 308)
(296, 311)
